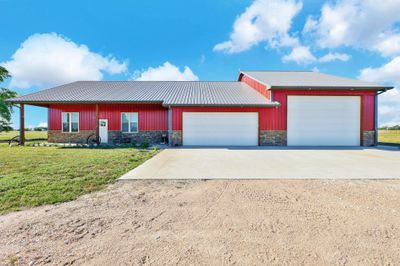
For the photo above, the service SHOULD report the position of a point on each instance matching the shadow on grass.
(26, 140)
(389, 144)
(111, 147)
(99, 147)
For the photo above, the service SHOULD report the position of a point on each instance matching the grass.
(389, 137)
(33, 176)
(29, 135)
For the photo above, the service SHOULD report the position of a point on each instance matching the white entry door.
(323, 120)
(103, 127)
(220, 128)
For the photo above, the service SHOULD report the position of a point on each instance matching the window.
(70, 122)
(129, 122)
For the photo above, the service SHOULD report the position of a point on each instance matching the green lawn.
(28, 135)
(33, 176)
(389, 136)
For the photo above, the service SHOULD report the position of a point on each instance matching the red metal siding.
(276, 119)
(177, 113)
(261, 88)
(87, 115)
(369, 112)
(151, 116)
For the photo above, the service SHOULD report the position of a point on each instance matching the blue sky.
(46, 43)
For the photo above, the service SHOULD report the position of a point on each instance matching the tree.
(5, 107)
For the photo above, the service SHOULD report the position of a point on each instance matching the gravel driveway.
(243, 222)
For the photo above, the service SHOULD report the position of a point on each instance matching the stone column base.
(148, 136)
(273, 137)
(368, 138)
(177, 138)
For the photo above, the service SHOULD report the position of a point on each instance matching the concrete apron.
(270, 163)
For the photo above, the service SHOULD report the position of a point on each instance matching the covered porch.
(22, 128)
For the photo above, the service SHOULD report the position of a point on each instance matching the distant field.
(28, 135)
(389, 136)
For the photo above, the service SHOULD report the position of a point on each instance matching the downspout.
(169, 125)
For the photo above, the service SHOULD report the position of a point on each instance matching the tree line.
(5, 107)
(396, 127)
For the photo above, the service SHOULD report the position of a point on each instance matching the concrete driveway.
(270, 163)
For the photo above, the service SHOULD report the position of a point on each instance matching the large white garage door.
(220, 129)
(323, 120)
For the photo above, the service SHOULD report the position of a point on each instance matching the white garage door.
(323, 120)
(220, 129)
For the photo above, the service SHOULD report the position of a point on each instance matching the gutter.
(166, 105)
(272, 104)
(382, 89)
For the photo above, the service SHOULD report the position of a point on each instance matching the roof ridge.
(183, 81)
(277, 71)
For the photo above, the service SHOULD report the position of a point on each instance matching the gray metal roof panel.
(308, 79)
(165, 92)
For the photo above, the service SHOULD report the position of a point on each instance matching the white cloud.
(42, 124)
(329, 57)
(263, 21)
(367, 24)
(50, 59)
(389, 45)
(389, 102)
(300, 55)
(310, 25)
(386, 73)
(167, 71)
(315, 69)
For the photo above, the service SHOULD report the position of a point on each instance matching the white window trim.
(129, 122)
(70, 122)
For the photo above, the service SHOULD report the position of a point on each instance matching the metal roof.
(164, 92)
(309, 79)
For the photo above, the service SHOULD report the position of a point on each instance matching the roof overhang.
(329, 88)
(268, 86)
(79, 102)
(271, 104)
(47, 103)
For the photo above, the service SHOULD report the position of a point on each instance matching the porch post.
(169, 126)
(97, 125)
(376, 119)
(22, 125)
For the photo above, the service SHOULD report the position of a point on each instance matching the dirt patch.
(271, 222)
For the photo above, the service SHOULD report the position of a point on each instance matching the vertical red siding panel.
(54, 118)
(276, 118)
(369, 112)
(151, 116)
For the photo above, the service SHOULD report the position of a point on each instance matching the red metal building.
(261, 108)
